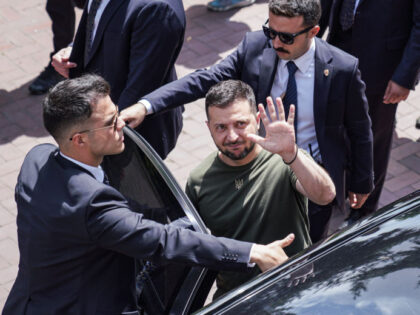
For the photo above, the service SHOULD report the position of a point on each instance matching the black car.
(371, 267)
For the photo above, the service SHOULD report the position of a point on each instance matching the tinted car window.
(140, 175)
(377, 272)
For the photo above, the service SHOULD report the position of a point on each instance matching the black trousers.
(63, 20)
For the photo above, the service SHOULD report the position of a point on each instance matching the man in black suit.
(385, 37)
(133, 44)
(63, 19)
(332, 119)
(77, 235)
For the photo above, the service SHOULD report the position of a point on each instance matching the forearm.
(196, 84)
(313, 180)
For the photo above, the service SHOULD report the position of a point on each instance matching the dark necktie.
(347, 14)
(291, 92)
(90, 27)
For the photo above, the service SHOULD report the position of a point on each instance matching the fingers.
(132, 122)
(63, 67)
(395, 93)
(263, 114)
(60, 62)
(357, 200)
(134, 115)
(280, 108)
(358, 204)
(352, 199)
(291, 118)
(360, 200)
(284, 242)
(271, 109)
(393, 98)
(387, 93)
(255, 138)
(287, 240)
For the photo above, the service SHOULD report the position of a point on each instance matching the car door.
(142, 177)
(371, 267)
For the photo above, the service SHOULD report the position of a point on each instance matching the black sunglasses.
(113, 124)
(286, 38)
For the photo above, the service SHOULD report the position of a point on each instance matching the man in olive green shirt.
(254, 189)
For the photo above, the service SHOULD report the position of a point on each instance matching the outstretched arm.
(313, 180)
(112, 225)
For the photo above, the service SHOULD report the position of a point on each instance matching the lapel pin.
(326, 72)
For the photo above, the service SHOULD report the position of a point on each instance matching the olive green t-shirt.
(257, 202)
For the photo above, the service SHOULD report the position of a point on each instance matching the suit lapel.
(268, 69)
(323, 74)
(109, 11)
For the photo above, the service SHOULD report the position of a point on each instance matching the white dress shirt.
(355, 6)
(97, 171)
(305, 84)
(98, 16)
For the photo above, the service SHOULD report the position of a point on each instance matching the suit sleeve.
(112, 225)
(407, 72)
(156, 40)
(359, 132)
(196, 84)
(325, 16)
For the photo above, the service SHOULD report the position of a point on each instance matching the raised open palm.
(280, 134)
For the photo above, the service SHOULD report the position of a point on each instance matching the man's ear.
(314, 31)
(78, 140)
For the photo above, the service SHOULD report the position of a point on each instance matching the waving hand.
(280, 134)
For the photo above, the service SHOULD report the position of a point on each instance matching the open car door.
(142, 177)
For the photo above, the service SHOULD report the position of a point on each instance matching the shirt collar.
(97, 172)
(304, 62)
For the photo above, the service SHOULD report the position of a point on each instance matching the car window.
(377, 272)
(140, 175)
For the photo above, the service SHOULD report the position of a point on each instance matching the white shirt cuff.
(148, 106)
(250, 264)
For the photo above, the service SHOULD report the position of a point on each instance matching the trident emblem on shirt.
(238, 183)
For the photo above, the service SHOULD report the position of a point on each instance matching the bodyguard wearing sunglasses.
(332, 118)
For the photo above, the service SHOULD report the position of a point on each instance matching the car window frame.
(189, 292)
(169, 179)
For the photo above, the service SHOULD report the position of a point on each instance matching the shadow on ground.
(20, 114)
(208, 35)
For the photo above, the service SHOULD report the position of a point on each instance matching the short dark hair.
(309, 9)
(69, 103)
(225, 93)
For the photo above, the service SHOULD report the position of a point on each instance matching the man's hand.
(357, 200)
(271, 255)
(395, 93)
(61, 63)
(280, 134)
(134, 115)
